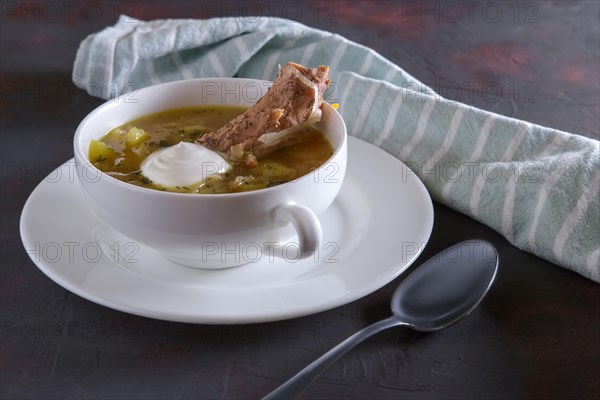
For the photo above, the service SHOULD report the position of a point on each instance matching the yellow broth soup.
(121, 151)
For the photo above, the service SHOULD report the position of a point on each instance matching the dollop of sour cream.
(182, 165)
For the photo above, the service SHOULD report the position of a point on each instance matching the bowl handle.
(306, 223)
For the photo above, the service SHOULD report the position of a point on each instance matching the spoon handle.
(296, 385)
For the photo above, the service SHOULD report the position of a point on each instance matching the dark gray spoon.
(440, 292)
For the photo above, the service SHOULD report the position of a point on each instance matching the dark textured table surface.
(536, 335)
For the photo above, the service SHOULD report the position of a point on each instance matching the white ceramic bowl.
(211, 230)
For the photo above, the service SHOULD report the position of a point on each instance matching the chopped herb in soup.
(121, 152)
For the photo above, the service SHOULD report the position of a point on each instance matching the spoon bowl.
(447, 287)
(440, 292)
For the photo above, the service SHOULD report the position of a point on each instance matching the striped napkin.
(536, 186)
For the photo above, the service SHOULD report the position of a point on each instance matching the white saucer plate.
(377, 226)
